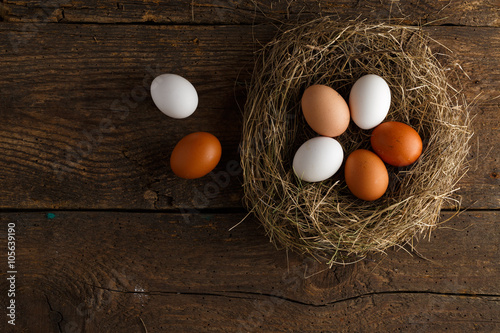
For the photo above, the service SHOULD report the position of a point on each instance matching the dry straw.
(324, 219)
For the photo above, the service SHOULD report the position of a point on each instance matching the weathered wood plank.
(96, 271)
(470, 13)
(179, 312)
(78, 125)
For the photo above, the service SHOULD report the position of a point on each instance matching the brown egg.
(396, 143)
(195, 155)
(366, 175)
(325, 110)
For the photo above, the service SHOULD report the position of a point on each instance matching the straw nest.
(324, 219)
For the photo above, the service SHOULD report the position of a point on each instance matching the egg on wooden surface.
(195, 155)
(174, 95)
(366, 175)
(396, 143)
(325, 110)
(317, 159)
(369, 101)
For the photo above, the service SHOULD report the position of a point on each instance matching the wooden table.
(107, 239)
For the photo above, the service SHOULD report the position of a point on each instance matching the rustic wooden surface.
(109, 240)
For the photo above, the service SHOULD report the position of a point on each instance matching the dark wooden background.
(109, 240)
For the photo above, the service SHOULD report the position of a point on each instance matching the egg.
(396, 143)
(317, 159)
(174, 95)
(195, 155)
(366, 175)
(369, 101)
(325, 110)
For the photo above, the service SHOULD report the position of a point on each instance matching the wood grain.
(78, 126)
(102, 271)
(470, 13)
(109, 240)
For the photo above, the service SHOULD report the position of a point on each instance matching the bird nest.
(324, 219)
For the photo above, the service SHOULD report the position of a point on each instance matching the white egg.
(317, 159)
(369, 101)
(174, 95)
